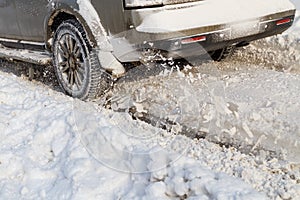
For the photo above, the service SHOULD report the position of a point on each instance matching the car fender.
(85, 13)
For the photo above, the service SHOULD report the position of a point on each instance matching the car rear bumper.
(210, 41)
(167, 21)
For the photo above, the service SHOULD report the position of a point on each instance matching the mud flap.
(111, 64)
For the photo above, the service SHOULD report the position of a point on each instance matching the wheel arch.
(90, 21)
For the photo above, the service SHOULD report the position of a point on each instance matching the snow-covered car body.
(116, 29)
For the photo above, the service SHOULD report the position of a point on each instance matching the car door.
(9, 28)
(31, 15)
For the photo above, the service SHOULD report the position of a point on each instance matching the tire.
(222, 54)
(76, 64)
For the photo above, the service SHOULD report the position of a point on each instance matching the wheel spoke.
(78, 80)
(66, 42)
(80, 68)
(71, 44)
(63, 48)
(76, 51)
(63, 53)
(71, 80)
(75, 46)
(63, 63)
(80, 73)
(69, 76)
(65, 69)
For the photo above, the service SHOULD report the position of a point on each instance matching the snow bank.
(49, 150)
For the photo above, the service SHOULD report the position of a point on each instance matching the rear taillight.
(193, 39)
(283, 21)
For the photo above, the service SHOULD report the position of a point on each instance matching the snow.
(56, 147)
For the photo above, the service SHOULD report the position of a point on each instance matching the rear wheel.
(76, 65)
(222, 54)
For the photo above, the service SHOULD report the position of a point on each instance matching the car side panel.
(112, 15)
(31, 15)
(8, 20)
